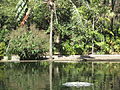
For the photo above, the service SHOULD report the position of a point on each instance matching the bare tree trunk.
(93, 26)
(51, 29)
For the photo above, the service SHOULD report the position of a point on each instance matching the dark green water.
(46, 76)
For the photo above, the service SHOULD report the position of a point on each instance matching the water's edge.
(73, 58)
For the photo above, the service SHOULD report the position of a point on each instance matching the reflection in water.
(77, 84)
(25, 76)
(52, 76)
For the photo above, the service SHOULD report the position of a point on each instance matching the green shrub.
(2, 49)
(3, 32)
(31, 44)
(71, 48)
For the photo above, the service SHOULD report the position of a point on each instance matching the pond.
(53, 76)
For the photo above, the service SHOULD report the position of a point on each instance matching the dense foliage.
(31, 44)
(80, 26)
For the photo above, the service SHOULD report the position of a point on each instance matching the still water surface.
(52, 76)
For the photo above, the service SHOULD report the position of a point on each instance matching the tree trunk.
(93, 26)
(51, 29)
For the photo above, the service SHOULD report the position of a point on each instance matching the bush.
(31, 44)
(3, 32)
(2, 49)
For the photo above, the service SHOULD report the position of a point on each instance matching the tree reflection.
(51, 76)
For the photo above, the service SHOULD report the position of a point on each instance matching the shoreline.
(74, 58)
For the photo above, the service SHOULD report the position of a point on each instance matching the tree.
(80, 27)
(7, 15)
